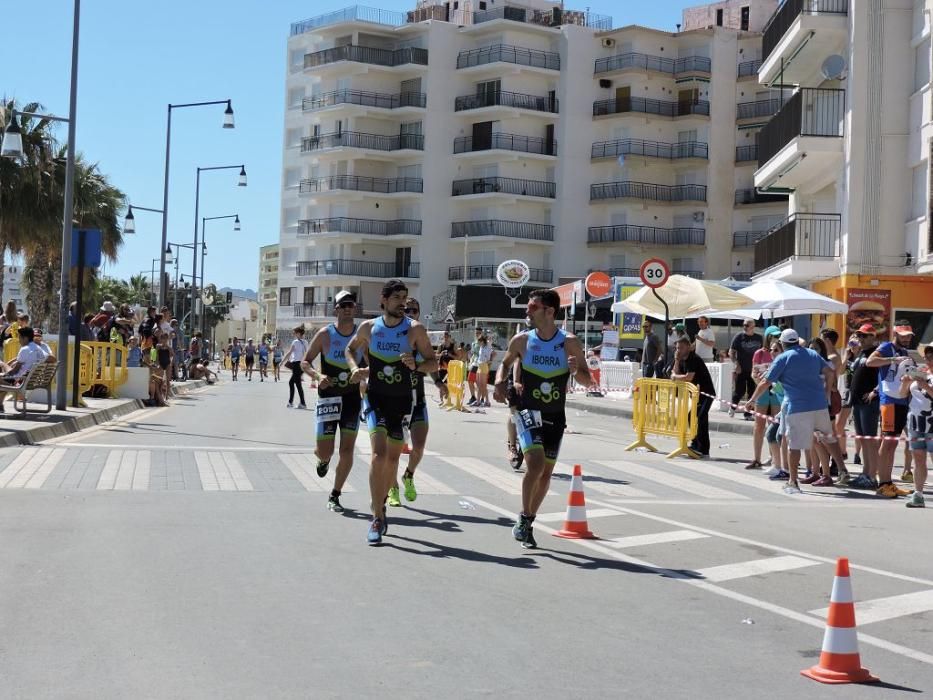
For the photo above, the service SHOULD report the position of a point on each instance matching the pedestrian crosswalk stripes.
(729, 572)
(31, 468)
(484, 471)
(669, 480)
(656, 538)
(590, 514)
(220, 471)
(879, 609)
(428, 485)
(304, 467)
(614, 490)
(126, 470)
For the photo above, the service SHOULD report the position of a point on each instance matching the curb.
(612, 408)
(77, 423)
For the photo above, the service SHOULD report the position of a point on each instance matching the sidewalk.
(36, 427)
(615, 405)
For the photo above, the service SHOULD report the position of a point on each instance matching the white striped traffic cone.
(575, 527)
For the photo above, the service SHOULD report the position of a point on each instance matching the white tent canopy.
(774, 299)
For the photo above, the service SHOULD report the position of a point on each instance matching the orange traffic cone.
(840, 661)
(575, 527)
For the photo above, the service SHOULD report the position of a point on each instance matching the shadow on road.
(438, 551)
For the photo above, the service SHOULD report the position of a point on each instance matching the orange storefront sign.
(598, 284)
(566, 293)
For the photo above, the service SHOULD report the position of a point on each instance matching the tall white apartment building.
(433, 145)
(851, 145)
(267, 293)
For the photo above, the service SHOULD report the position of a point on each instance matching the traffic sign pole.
(654, 272)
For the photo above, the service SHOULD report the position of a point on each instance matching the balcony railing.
(359, 183)
(319, 310)
(554, 17)
(356, 139)
(355, 13)
(368, 54)
(504, 53)
(753, 196)
(364, 98)
(799, 236)
(747, 68)
(356, 268)
(746, 153)
(786, 15)
(488, 272)
(370, 227)
(506, 142)
(504, 185)
(661, 64)
(622, 272)
(505, 229)
(649, 235)
(808, 112)
(757, 109)
(649, 149)
(649, 191)
(698, 274)
(664, 108)
(503, 98)
(746, 239)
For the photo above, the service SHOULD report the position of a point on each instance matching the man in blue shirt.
(806, 378)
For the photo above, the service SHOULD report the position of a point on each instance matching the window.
(307, 295)
(919, 198)
(292, 177)
(744, 21)
(295, 96)
(719, 17)
(456, 4)
(291, 217)
(292, 138)
(285, 296)
(922, 64)
(482, 5)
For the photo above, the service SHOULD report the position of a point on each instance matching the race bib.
(527, 420)
(329, 409)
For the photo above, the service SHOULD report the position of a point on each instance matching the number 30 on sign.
(654, 272)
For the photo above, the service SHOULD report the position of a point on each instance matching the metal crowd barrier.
(665, 407)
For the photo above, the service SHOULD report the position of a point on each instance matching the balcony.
(622, 272)
(648, 191)
(749, 69)
(753, 196)
(555, 17)
(504, 186)
(370, 55)
(320, 310)
(355, 13)
(506, 142)
(646, 235)
(747, 239)
(504, 53)
(802, 145)
(488, 272)
(642, 105)
(503, 98)
(649, 149)
(498, 228)
(363, 227)
(802, 247)
(659, 64)
(759, 109)
(798, 38)
(356, 268)
(363, 98)
(363, 141)
(743, 154)
(359, 183)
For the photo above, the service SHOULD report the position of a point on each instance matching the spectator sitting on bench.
(29, 356)
(37, 336)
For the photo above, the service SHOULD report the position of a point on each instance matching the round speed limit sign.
(654, 272)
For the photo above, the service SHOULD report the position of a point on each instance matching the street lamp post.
(241, 182)
(204, 220)
(169, 258)
(227, 124)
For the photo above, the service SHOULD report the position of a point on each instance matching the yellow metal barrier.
(455, 377)
(108, 365)
(665, 407)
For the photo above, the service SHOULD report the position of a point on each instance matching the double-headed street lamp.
(227, 124)
(204, 220)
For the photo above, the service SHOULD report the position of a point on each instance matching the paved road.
(187, 552)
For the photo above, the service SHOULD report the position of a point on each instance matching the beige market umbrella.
(685, 296)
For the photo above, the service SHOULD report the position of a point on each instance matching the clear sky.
(136, 57)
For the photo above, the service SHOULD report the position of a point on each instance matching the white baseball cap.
(789, 337)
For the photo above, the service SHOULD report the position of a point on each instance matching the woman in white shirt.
(293, 358)
(483, 358)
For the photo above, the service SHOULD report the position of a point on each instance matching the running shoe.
(824, 481)
(394, 500)
(322, 468)
(408, 481)
(772, 471)
(754, 464)
(844, 478)
(288, 405)
(907, 476)
(862, 481)
(888, 490)
(374, 536)
(792, 489)
(385, 522)
(472, 401)
(780, 476)
(915, 500)
(333, 503)
(520, 529)
(302, 406)
(529, 540)
(515, 457)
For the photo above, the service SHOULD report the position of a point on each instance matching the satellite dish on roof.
(834, 67)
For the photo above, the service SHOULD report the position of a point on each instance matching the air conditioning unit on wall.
(608, 42)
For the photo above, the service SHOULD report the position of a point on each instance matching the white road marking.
(757, 567)
(307, 466)
(206, 472)
(300, 472)
(125, 470)
(879, 609)
(30, 468)
(656, 538)
(754, 480)
(678, 576)
(669, 480)
(510, 483)
(141, 475)
(613, 490)
(14, 467)
(427, 484)
(44, 470)
(590, 513)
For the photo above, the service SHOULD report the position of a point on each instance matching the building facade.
(267, 294)
(851, 146)
(433, 145)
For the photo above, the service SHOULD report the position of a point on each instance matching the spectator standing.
(705, 340)
(133, 353)
(651, 350)
(147, 328)
(74, 323)
(768, 404)
(920, 426)
(296, 354)
(688, 367)
(742, 353)
(866, 409)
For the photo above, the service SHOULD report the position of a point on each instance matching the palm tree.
(139, 289)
